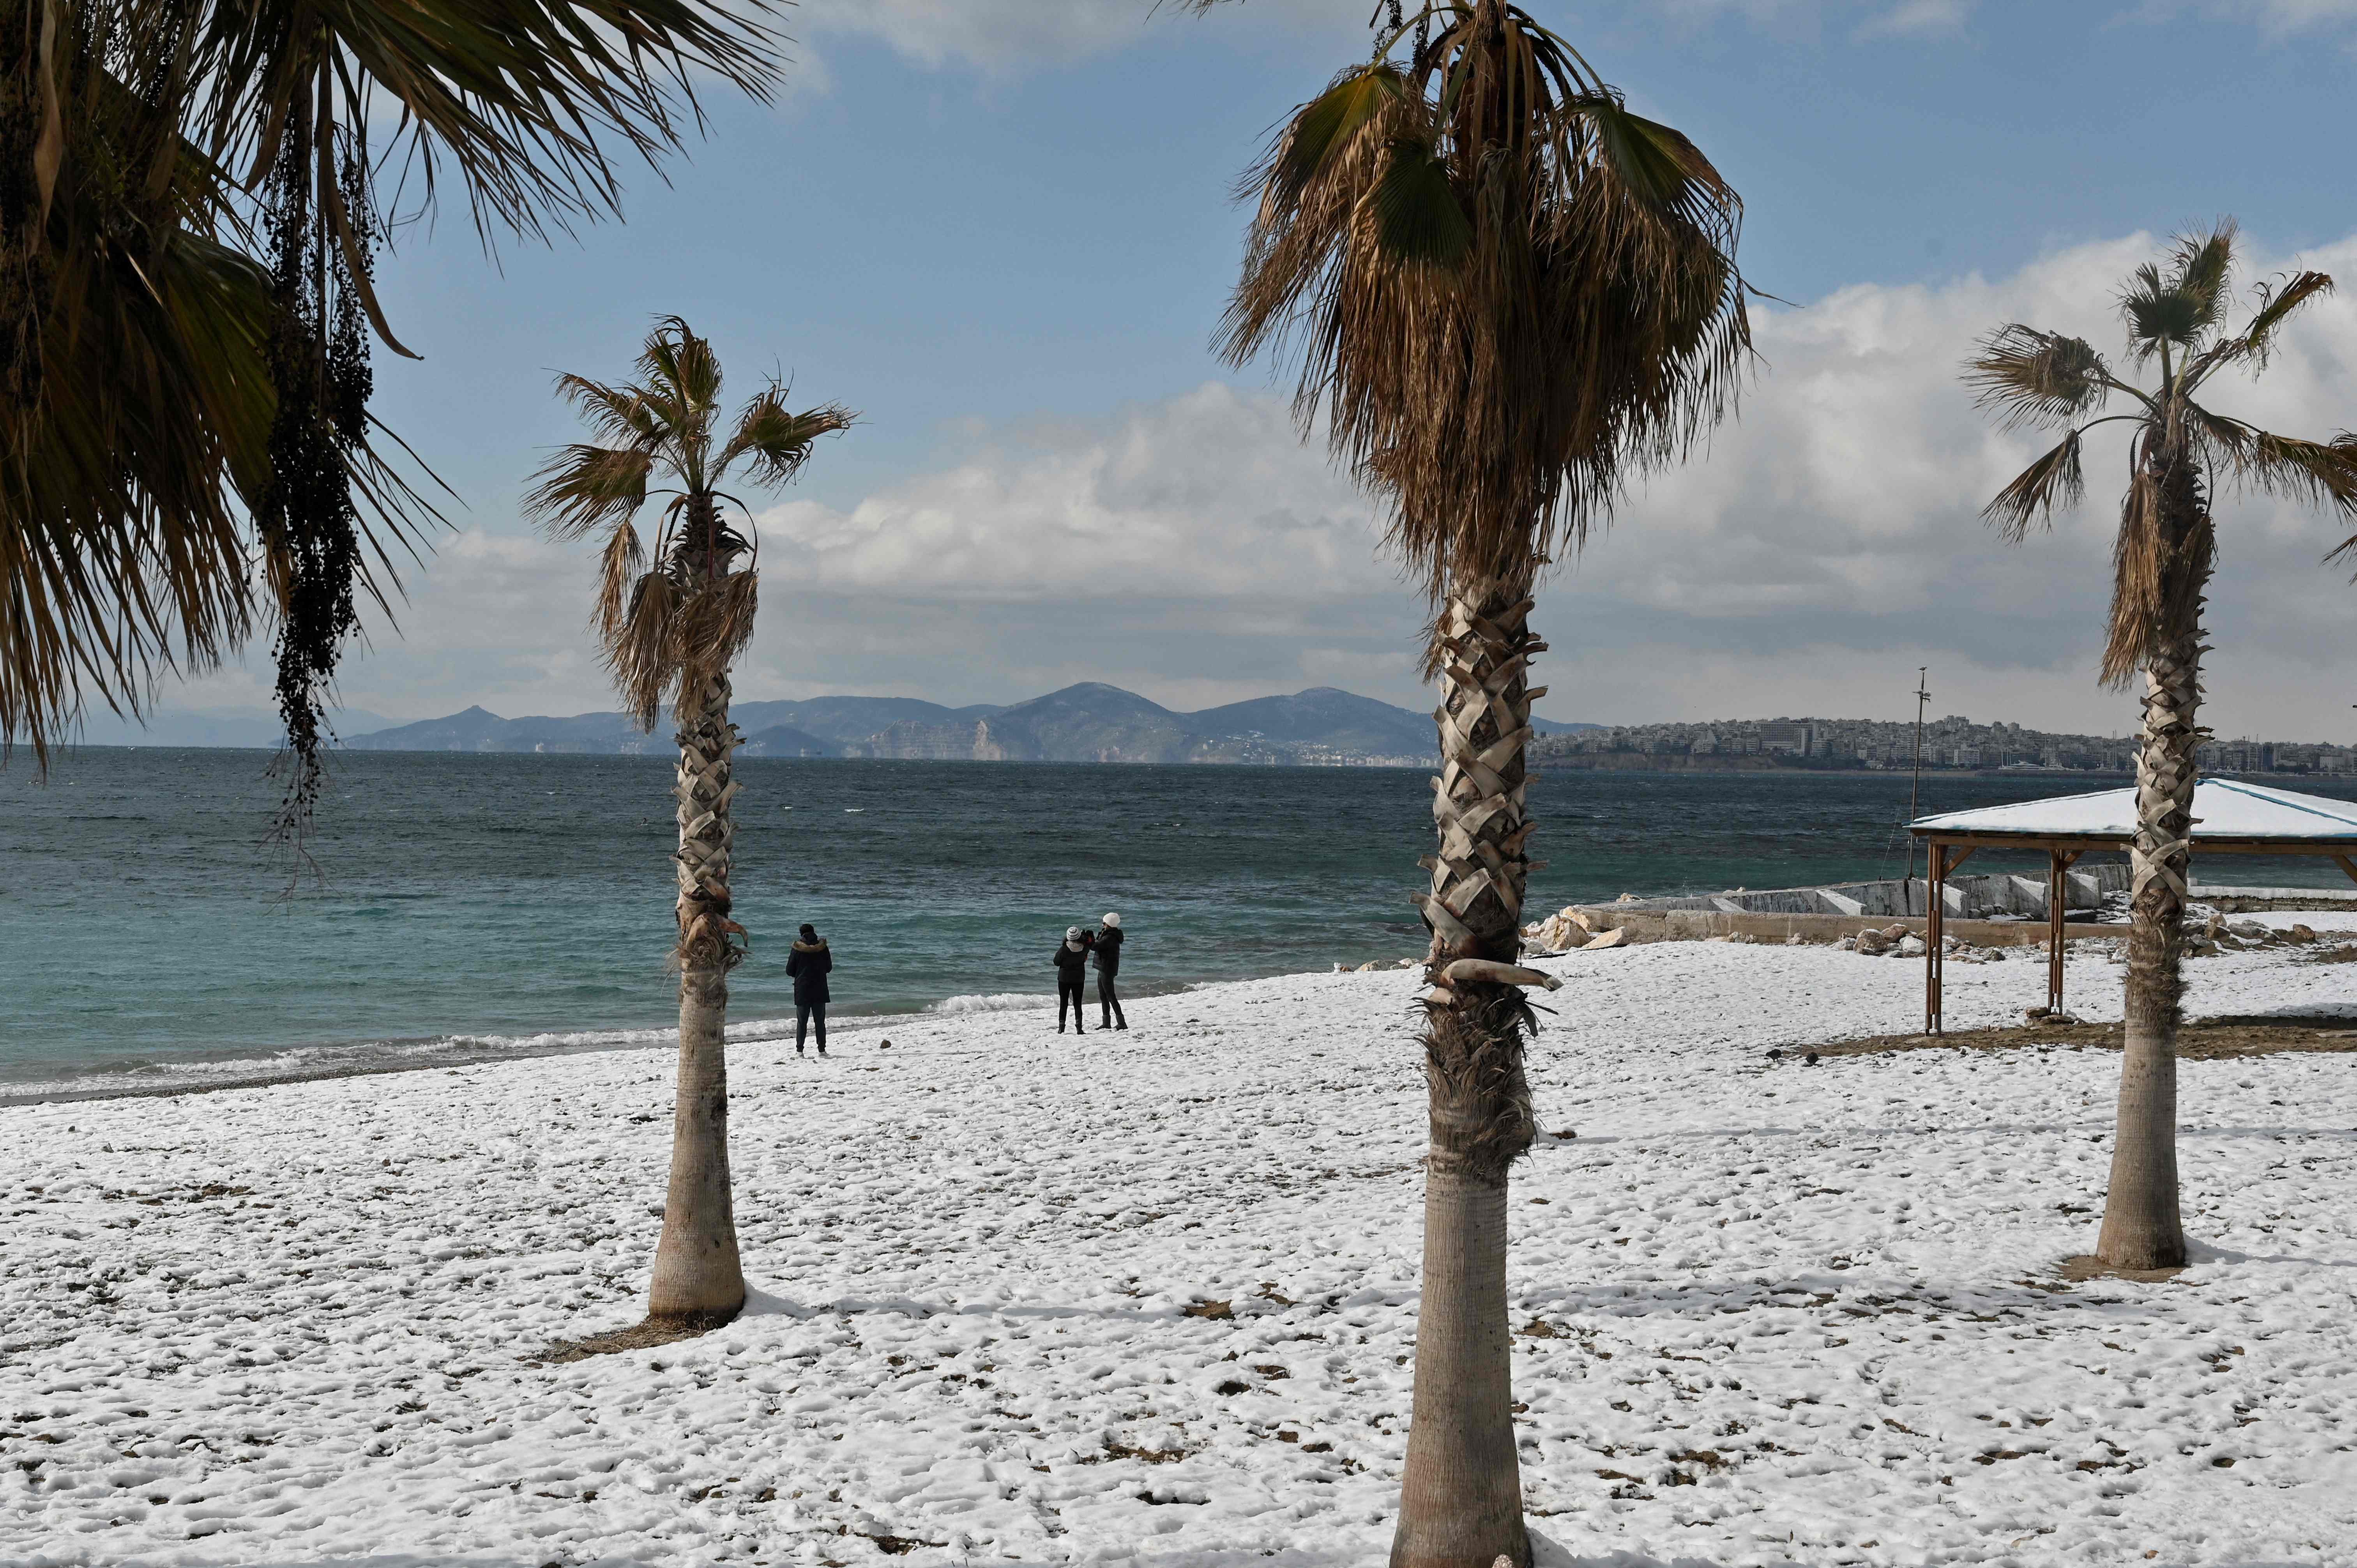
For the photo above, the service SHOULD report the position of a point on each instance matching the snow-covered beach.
(1150, 1297)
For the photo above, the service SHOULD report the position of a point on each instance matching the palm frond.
(524, 101)
(619, 567)
(778, 440)
(1418, 221)
(2255, 342)
(618, 415)
(641, 652)
(2042, 379)
(1327, 127)
(2054, 480)
(2320, 473)
(2138, 553)
(137, 405)
(712, 626)
(2179, 308)
(584, 488)
(1504, 294)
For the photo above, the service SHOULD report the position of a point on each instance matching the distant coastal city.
(1953, 742)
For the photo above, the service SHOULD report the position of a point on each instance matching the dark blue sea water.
(481, 904)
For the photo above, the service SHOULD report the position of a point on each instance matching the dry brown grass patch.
(2205, 1040)
(643, 1335)
(2087, 1266)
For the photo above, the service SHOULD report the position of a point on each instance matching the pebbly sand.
(1768, 1312)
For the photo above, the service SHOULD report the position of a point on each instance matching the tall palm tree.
(2178, 450)
(152, 115)
(1507, 293)
(672, 622)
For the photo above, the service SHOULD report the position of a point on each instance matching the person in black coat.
(1072, 978)
(1106, 945)
(807, 966)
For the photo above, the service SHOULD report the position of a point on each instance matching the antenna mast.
(1915, 790)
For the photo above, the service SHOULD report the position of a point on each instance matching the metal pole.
(1915, 790)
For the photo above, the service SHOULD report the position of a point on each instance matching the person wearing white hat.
(1108, 946)
(1071, 976)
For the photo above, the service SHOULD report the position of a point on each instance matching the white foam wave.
(987, 1001)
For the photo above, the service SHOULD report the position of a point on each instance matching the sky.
(1003, 229)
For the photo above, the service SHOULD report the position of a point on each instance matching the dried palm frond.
(778, 439)
(643, 653)
(2053, 480)
(1506, 293)
(587, 487)
(2037, 379)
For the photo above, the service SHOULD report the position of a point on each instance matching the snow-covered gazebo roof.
(2228, 815)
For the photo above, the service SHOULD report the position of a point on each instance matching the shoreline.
(761, 1031)
(90, 1085)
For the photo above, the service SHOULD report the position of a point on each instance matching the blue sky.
(1003, 230)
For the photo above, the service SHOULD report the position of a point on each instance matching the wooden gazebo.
(2229, 817)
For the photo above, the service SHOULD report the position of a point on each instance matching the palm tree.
(672, 623)
(1507, 292)
(239, 403)
(2177, 449)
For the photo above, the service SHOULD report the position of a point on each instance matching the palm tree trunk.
(698, 1281)
(1461, 1496)
(2142, 1226)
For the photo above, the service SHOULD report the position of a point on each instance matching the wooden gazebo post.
(1935, 928)
(2058, 899)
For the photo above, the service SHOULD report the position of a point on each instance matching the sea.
(460, 907)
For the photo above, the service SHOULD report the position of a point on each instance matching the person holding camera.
(1107, 947)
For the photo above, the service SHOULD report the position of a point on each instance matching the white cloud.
(1015, 35)
(1915, 18)
(1207, 494)
(1194, 549)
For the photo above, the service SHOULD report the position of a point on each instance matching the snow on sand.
(1770, 1312)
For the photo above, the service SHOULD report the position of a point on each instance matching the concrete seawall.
(1966, 898)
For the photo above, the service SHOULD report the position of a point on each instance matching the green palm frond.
(136, 405)
(2042, 379)
(2179, 308)
(519, 100)
(1329, 125)
(1418, 219)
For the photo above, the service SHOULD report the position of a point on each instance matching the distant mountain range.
(1087, 722)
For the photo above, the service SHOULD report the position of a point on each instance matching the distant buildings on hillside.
(1951, 743)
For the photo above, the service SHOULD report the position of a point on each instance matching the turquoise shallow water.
(484, 904)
